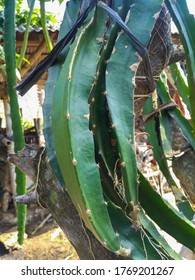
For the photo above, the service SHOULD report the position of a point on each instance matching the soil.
(44, 240)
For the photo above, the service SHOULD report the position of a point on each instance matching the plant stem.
(43, 24)
(25, 41)
(18, 136)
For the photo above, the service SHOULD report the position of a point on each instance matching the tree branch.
(51, 195)
(28, 198)
(177, 55)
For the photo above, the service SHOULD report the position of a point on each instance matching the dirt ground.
(44, 240)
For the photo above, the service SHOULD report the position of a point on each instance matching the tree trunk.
(32, 160)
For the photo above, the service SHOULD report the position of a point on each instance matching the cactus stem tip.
(123, 252)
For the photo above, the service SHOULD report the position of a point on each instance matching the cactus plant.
(90, 127)
(76, 155)
(18, 137)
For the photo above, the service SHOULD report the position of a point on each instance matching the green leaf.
(161, 141)
(74, 142)
(181, 201)
(181, 83)
(72, 9)
(165, 215)
(120, 89)
(100, 122)
(175, 112)
(162, 247)
(143, 244)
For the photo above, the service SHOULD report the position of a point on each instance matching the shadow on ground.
(44, 240)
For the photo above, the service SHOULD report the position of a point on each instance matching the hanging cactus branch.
(141, 49)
